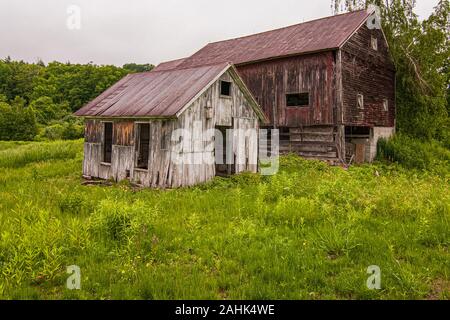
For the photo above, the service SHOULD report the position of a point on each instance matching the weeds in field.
(309, 232)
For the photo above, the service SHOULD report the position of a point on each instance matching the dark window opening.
(223, 152)
(107, 142)
(285, 134)
(143, 145)
(225, 88)
(297, 99)
(357, 131)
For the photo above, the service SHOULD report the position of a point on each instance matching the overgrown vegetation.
(37, 100)
(310, 232)
(431, 156)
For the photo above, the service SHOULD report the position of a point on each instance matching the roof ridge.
(286, 27)
(187, 67)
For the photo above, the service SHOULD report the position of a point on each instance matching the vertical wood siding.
(370, 72)
(270, 81)
(162, 171)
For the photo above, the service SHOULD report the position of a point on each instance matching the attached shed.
(172, 127)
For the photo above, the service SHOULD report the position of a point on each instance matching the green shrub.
(72, 203)
(17, 123)
(413, 153)
(73, 131)
(119, 220)
(53, 132)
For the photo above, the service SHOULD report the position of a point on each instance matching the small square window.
(225, 88)
(374, 43)
(385, 104)
(297, 99)
(360, 101)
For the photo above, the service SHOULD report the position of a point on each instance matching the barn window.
(360, 101)
(374, 43)
(107, 142)
(143, 145)
(385, 104)
(225, 88)
(297, 99)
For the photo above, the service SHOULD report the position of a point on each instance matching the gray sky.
(143, 31)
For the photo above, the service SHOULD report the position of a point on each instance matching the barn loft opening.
(297, 99)
(225, 88)
(143, 145)
(107, 143)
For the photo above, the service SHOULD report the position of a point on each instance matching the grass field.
(309, 232)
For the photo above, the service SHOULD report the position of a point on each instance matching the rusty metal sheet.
(317, 35)
(152, 94)
(169, 65)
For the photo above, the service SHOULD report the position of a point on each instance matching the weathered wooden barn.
(327, 85)
(130, 127)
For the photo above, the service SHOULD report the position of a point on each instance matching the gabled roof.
(160, 94)
(152, 94)
(172, 86)
(312, 36)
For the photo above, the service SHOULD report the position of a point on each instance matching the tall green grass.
(14, 157)
(309, 232)
(412, 153)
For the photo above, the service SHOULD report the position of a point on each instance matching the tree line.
(37, 100)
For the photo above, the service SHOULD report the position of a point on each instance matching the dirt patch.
(440, 289)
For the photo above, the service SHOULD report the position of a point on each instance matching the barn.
(172, 127)
(325, 89)
(327, 85)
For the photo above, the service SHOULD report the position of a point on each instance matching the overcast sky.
(142, 31)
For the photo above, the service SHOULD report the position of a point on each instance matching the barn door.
(223, 151)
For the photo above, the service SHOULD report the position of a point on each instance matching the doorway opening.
(225, 162)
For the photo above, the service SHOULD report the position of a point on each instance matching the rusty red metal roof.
(166, 90)
(153, 94)
(312, 36)
(169, 65)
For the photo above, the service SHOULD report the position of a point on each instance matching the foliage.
(133, 67)
(53, 92)
(420, 50)
(17, 122)
(309, 232)
(47, 111)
